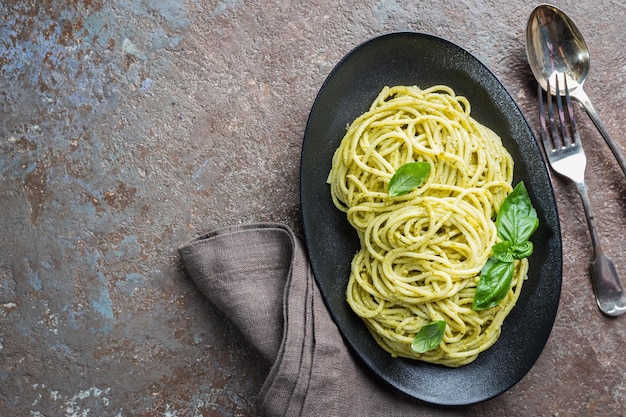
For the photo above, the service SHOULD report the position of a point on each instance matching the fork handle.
(584, 195)
(607, 288)
(580, 96)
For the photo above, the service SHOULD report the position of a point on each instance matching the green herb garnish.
(516, 222)
(429, 336)
(409, 176)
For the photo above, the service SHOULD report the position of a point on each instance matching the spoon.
(554, 45)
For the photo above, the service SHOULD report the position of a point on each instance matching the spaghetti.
(421, 253)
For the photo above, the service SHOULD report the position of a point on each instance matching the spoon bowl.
(554, 45)
(556, 48)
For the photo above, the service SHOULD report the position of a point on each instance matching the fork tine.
(570, 113)
(557, 140)
(547, 143)
(567, 139)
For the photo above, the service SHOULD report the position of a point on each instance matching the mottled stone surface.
(129, 127)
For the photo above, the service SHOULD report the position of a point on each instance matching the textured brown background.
(128, 127)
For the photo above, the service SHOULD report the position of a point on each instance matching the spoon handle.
(583, 99)
(609, 293)
(607, 288)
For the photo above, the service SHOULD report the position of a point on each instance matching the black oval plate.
(424, 60)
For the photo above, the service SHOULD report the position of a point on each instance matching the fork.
(567, 158)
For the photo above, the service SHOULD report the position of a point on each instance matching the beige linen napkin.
(259, 276)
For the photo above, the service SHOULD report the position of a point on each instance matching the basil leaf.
(522, 250)
(408, 177)
(494, 283)
(517, 219)
(516, 222)
(429, 336)
(502, 251)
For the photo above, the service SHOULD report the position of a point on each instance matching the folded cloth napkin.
(259, 276)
